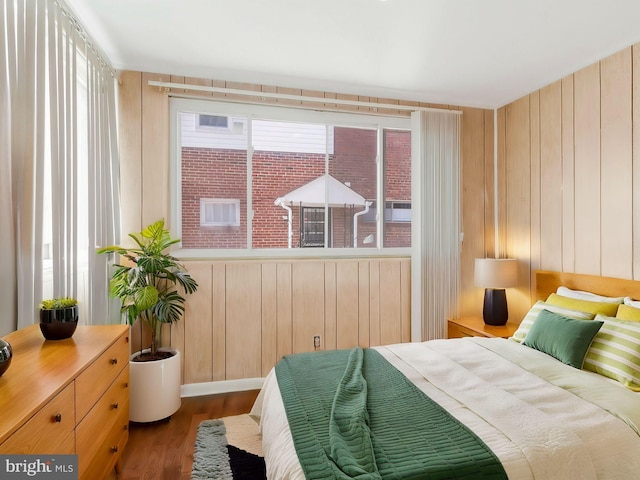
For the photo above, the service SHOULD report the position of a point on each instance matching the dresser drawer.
(48, 431)
(459, 331)
(102, 427)
(106, 456)
(100, 374)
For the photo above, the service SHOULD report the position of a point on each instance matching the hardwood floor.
(164, 450)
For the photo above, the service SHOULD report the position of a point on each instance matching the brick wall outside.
(398, 183)
(218, 173)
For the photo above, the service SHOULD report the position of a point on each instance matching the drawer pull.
(114, 361)
(115, 406)
(114, 449)
(57, 418)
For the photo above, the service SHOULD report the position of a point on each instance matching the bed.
(520, 408)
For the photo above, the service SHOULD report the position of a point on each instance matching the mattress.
(541, 418)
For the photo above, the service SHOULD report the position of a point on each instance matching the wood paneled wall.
(248, 313)
(570, 156)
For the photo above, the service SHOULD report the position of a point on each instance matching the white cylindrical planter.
(154, 392)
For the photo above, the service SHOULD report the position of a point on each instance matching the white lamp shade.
(496, 272)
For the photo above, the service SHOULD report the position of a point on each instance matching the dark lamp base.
(495, 306)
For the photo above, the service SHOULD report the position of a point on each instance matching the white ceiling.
(482, 53)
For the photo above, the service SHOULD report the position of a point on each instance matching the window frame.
(252, 112)
(235, 203)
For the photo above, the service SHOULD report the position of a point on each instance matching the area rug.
(228, 448)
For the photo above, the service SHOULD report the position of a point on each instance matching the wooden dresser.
(68, 396)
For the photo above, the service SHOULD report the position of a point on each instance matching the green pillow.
(535, 310)
(563, 338)
(615, 352)
(605, 308)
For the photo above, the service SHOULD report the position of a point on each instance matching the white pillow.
(631, 302)
(592, 297)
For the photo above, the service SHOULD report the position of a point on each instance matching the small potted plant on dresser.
(58, 317)
(150, 285)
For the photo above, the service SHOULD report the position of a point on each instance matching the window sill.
(288, 253)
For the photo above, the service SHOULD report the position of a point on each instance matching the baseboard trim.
(223, 386)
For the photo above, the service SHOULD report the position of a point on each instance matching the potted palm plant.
(150, 283)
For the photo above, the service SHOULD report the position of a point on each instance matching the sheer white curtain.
(58, 161)
(436, 230)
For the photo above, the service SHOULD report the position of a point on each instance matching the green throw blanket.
(354, 415)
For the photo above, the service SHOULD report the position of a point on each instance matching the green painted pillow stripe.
(520, 334)
(615, 352)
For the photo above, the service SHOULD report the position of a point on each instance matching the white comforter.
(543, 419)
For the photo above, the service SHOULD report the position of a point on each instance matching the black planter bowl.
(5, 356)
(59, 324)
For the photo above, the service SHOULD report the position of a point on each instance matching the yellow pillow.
(625, 312)
(608, 309)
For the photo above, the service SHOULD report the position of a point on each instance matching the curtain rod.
(285, 96)
(102, 58)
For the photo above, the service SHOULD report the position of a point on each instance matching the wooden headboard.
(547, 282)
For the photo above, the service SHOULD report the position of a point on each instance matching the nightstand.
(475, 327)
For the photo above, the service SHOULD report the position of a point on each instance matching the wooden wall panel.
(477, 179)
(269, 282)
(589, 172)
(636, 160)
(243, 320)
(247, 314)
(587, 169)
(405, 300)
(330, 341)
(347, 291)
(487, 187)
(219, 324)
(534, 184)
(500, 251)
(198, 326)
(568, 182)
(390, 308)
(364, 319)
(518, 200)
(155, 151)
(284, 319)
(374, 303)
(551, 177)
(130, 149)
(617, 172)
(308, 304)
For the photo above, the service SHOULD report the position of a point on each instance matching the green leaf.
(144, 298)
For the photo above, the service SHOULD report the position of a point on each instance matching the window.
(216, 212)
(394, 212)
(312, 227)
(213, 121)
(280, 178)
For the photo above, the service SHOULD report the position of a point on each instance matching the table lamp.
(494, 275)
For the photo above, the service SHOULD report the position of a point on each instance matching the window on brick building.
(283, 178)
(219, 212)
(394, 212)
(213, 121)
(312, 226)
